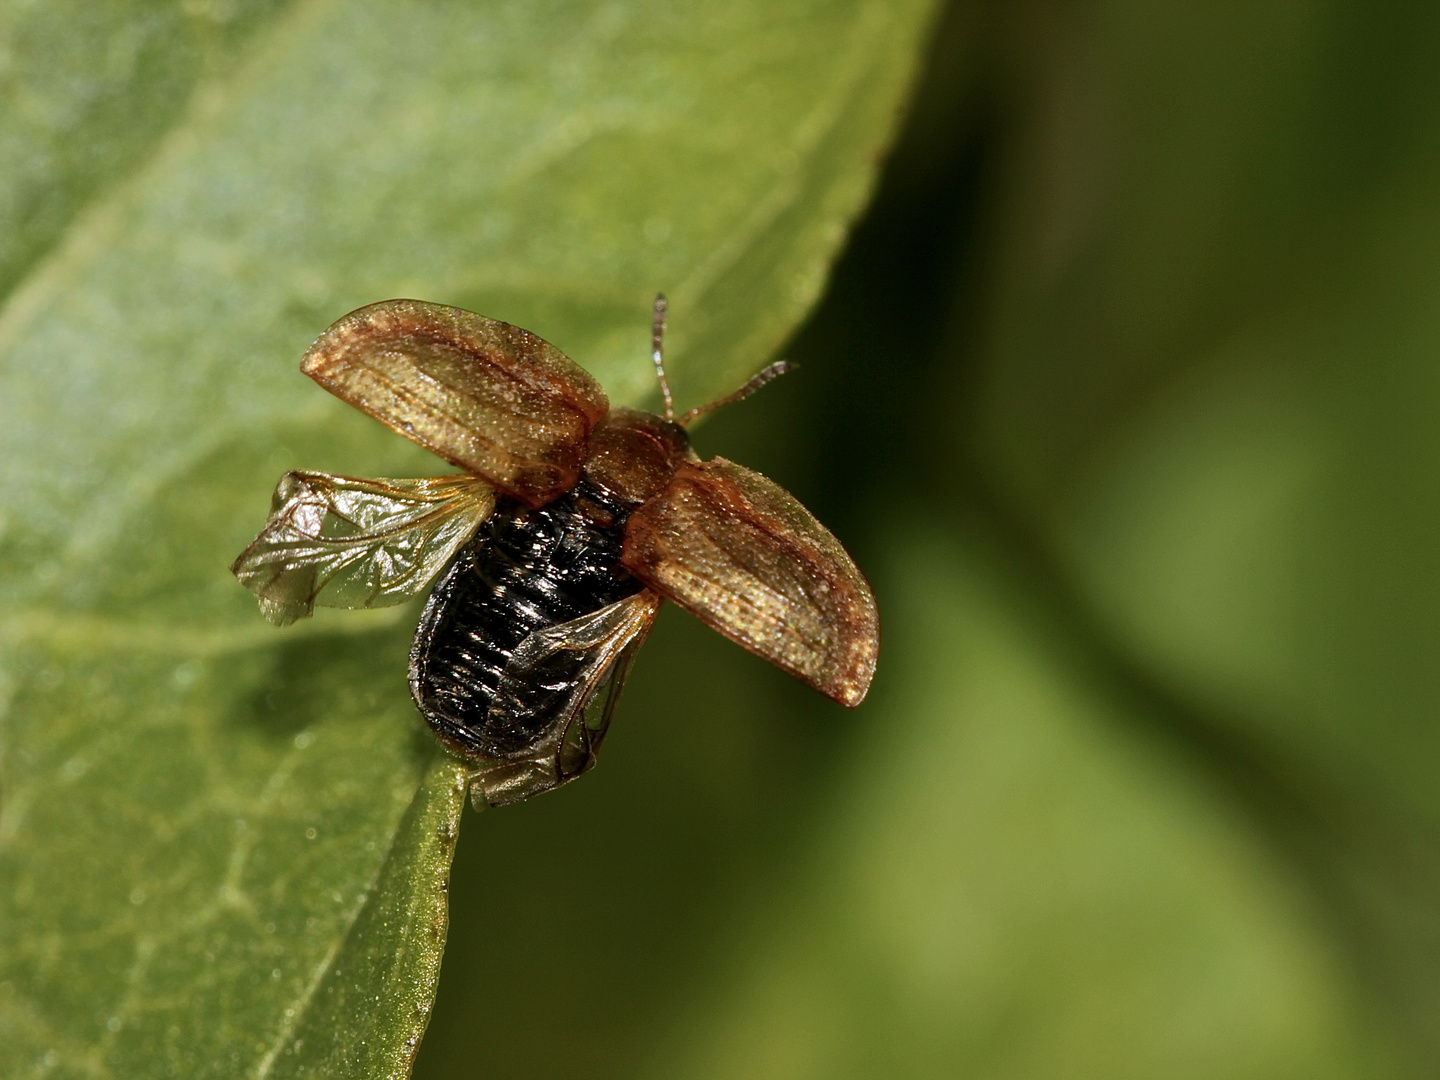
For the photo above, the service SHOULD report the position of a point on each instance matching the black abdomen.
(524, 571)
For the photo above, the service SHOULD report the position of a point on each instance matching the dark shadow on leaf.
(330, 677)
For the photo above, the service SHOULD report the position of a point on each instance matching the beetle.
(555, 547)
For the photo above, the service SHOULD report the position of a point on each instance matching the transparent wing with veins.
(338, 541)
(566, 679)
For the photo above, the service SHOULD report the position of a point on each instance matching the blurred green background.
(1123, 391)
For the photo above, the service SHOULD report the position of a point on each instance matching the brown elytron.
(739, 552)
(486, 396)
(555, 548)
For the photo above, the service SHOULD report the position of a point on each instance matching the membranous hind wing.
(562, 684)
(484, 395)
(342, 542)
(742, 554)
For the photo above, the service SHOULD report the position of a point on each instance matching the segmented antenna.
(657, 353)
(763, 376)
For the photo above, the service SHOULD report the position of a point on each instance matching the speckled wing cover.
(741, 554)
(484, 395)
(342, 542)
(542, 680)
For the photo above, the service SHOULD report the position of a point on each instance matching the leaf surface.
(214, 833)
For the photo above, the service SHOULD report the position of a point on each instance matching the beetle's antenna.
(657, 353)
(761, 377)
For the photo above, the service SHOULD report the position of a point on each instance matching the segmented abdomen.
(524, 571)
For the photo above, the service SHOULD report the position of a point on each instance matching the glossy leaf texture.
(222, 844)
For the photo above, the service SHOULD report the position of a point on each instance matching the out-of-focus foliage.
(1124, 393)
(1209, 381)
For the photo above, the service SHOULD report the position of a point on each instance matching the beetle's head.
(633, 454)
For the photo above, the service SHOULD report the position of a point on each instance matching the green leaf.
(389, 964)
(220, 847)
(88, 98)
